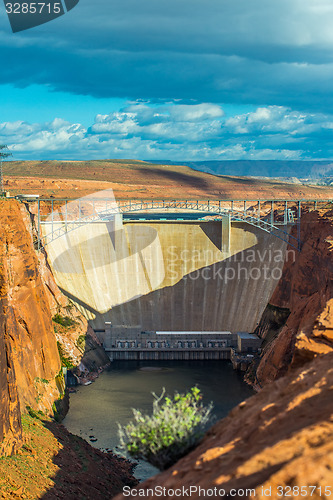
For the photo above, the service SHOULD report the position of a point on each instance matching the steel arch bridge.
(215, 209)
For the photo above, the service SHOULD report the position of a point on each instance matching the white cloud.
(176, 132)
(278, 119)
(196, 112)
(52, 136)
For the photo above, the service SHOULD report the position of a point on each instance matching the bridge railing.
(268, 215)
(259, 208)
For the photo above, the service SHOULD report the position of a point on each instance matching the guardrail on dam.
(215, 272)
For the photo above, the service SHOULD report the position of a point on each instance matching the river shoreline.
(96, 409)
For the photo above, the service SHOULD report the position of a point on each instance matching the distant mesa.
(290, 170)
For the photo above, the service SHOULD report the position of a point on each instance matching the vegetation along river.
(96, 409)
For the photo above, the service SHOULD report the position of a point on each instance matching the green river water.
(96, 409)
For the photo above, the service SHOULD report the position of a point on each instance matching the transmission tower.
(4, 153)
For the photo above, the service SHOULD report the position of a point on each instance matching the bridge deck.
(268, 215)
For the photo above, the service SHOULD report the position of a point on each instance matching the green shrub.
(63, 320)
(175, 427)
(33, 413)
(41, 380)
(65, 361)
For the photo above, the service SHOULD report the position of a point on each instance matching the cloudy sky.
(171, 79)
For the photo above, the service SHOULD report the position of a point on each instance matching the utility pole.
(4, 153)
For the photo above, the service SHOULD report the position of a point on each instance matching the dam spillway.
(168, 275)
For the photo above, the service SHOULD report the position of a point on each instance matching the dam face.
(174, 276)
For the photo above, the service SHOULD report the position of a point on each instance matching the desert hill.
(300, 169)
(138, 179)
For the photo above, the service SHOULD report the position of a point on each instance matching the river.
(96, 409)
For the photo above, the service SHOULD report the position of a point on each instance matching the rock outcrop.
(281, 437)
(30, 365)
(10, 412)
(306, 290)
(31, 361)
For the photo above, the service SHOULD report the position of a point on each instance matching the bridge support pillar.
(226, 231)
(118, 221)
(114, 225)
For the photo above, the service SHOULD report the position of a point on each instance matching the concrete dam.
(167, 275)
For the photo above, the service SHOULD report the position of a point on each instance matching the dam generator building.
(131, 344)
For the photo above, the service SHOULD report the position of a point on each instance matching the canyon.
(281, 436)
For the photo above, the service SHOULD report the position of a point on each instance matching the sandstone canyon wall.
(30, 365)
(32, 360)
(306, 290)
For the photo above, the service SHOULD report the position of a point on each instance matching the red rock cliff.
(306, 289)
(10, 412)
(29, 298)
(31, 363)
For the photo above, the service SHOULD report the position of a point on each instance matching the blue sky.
(176, 79)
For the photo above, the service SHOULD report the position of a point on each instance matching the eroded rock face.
(282, 436)
(29, 357)
(306, 289)
(10, 412)
(26, 316)
(30, 365)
